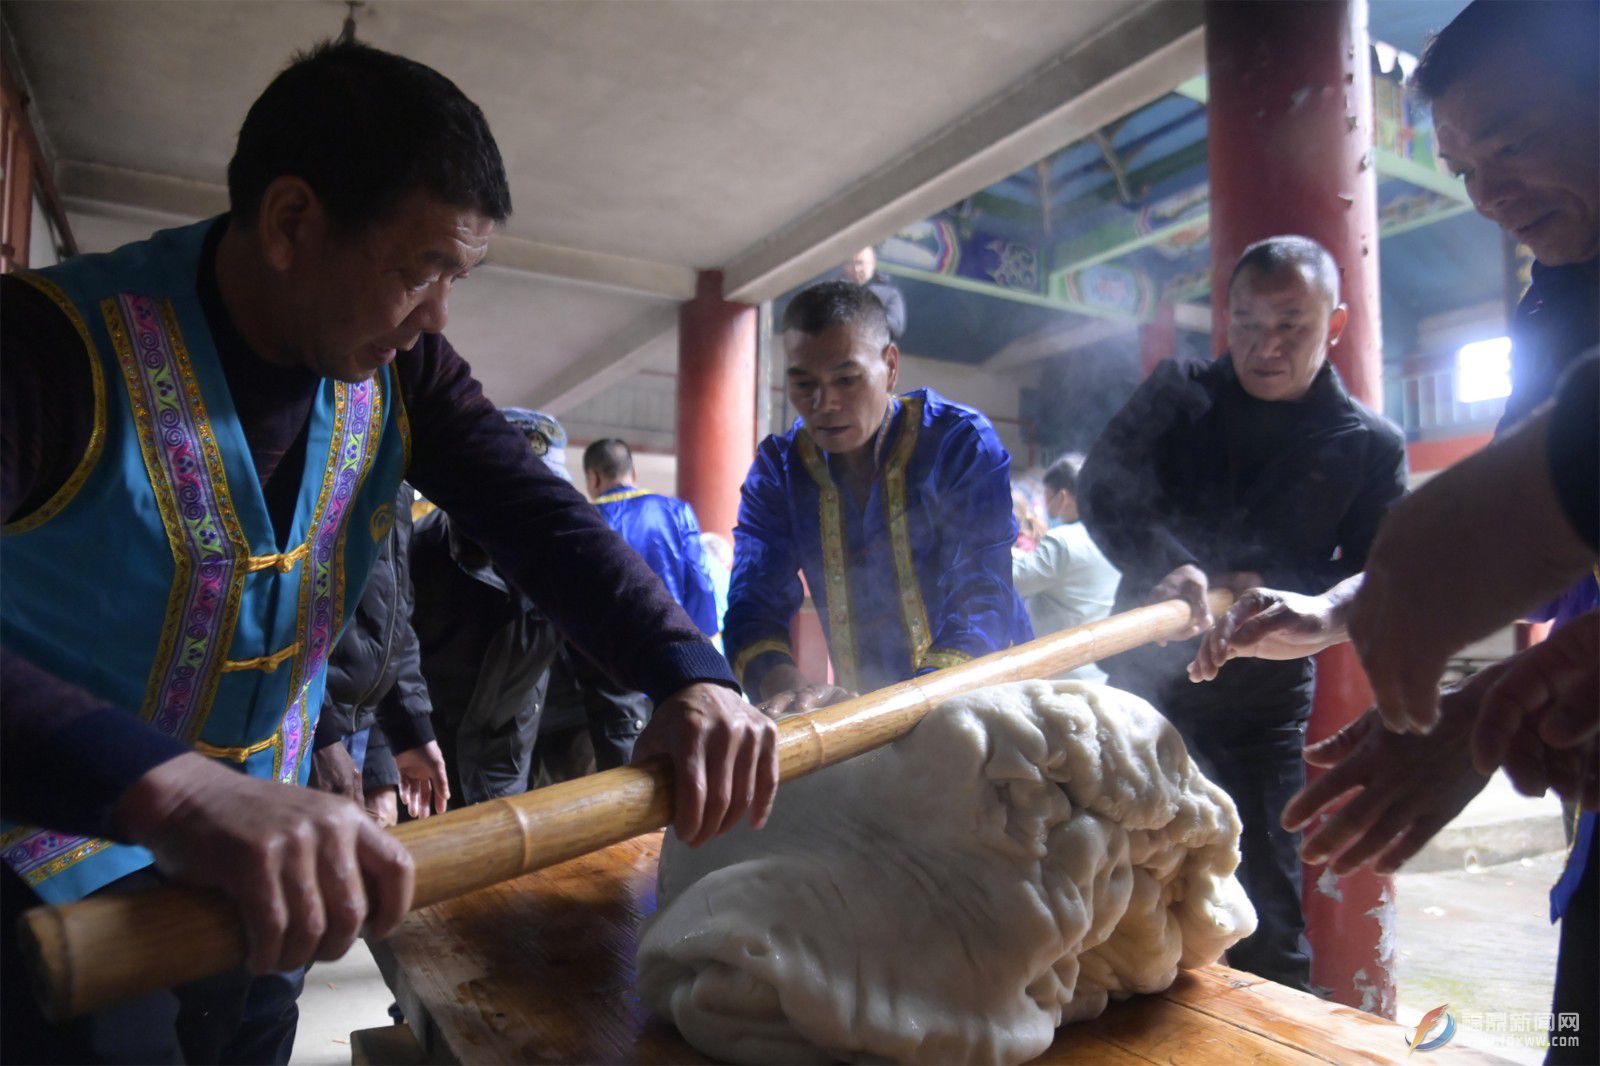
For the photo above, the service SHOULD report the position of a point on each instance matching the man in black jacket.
(375, 679)
(1258, 468)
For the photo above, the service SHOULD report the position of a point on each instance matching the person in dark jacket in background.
(375, 679)
(863, 270)
(1258, 468)
(485, 653)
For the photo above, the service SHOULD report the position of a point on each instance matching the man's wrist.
(153, 799)
(682, 664)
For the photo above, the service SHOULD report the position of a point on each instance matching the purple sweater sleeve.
(65, 755)
(543, 534)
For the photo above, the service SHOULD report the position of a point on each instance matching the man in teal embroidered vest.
(213, 423)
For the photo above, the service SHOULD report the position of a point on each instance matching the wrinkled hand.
(1267, 624)
(424, 784)
(306, 868)
(1401, 789)
(333, 770)
(724, 757)
(803, 699)
(383, 806)
(787, 692)
(1447, 568)
(1187, 583)
(1544, 705)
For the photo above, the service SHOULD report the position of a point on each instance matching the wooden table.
(541, 970)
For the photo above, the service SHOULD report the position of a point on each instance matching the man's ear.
(1336, 323)
(289, 221)
(891, 358)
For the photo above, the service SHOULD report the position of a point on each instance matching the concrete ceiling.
(644, 140)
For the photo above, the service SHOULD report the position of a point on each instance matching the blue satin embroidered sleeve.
(916, 578)
(976, 610)
(764, 591)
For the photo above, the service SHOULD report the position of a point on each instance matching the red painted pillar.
(1290, 151)
(716, 402)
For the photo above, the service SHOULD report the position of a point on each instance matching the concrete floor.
(339, 997)
(1472, 933)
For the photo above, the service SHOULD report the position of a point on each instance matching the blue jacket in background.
(665, 531)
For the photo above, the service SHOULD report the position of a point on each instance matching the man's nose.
(431, 315)
(1491, 190)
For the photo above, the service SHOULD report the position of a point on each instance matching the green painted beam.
(1133, 244)
(1422, 175)
(1194, 89)
(984, 288)
(1397, 228)
(1450, 211)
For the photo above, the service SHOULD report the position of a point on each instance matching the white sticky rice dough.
(1024, 854)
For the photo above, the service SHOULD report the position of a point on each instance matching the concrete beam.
(90, 184)
(1124, 67)
(649, 336)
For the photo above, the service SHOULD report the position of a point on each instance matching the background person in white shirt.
(1065, 580)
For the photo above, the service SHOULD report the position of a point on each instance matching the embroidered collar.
(622, 492)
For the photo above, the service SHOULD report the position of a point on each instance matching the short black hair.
(1062, 476)
(365, 129)
(1270, 256)
(1562, 35)
(832, 303)
(610, 458)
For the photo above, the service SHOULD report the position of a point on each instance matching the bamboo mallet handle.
(98, 951)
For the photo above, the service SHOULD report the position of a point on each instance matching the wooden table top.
(540, 969)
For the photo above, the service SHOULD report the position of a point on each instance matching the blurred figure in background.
(484, 648)
(719, 560)
(375, 684)
(863, 270)
(1030, 528)
(662, 529)
(1066, 580)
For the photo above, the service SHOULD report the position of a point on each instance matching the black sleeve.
(543, 534)
(1383, 483)
(1574, 447)
(1123, 502)
(895, 310)
(405, 712)
(379, 769)
(66, 756)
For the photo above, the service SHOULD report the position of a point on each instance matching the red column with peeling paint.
(716, 402)
(1290, 151)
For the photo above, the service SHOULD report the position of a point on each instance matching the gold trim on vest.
(97, 434)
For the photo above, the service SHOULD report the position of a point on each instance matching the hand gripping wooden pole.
(99, 951)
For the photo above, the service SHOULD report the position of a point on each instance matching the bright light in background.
(1483, 370)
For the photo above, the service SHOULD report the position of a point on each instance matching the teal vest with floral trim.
(154, 578)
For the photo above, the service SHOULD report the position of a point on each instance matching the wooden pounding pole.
(99, 951)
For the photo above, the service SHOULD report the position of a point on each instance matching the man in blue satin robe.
(663, 529)
(896, 509)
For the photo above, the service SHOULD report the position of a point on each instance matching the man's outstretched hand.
(306, 868)
(1398, 790)
(724, 756)
(1274, 624)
